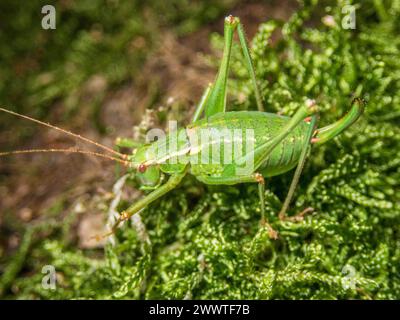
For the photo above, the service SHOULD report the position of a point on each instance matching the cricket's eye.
(142, 168)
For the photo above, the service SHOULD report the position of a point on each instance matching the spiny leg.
(217, 100)
(203, 101)
(172, 182)
(299, 168)
(273, 234)
(261, 194)
(322, 135)
(251, 178)
(250, 66)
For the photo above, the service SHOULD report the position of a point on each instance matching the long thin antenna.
(68, 151)
(123, 156)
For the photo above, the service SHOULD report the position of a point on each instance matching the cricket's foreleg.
(250, 66)
(255, 177)
(299, 168)
(203, 101)
(172, 182)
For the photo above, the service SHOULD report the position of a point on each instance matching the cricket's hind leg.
(295, 180)
(319, 136)
(213, 100)
(251, 178)
(203, 102)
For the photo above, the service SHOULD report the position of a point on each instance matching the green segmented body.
(190, 150)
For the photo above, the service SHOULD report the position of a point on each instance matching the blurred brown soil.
(178, 69)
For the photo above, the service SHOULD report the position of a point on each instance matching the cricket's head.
(147, 174)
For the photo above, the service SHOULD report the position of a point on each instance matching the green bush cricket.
(274, 144)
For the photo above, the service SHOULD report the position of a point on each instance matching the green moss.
(209, 243)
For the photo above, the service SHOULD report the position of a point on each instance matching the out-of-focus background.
(115, 68)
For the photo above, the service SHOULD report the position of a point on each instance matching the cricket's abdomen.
(264, 126)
